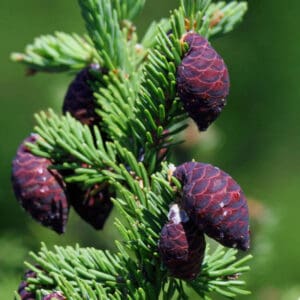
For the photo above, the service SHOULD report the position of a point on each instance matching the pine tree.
(123, 152)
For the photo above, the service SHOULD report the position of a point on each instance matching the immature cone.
(79, 99)
(93, 205)
(202, 81)
(181, 247)
(38, 189)
(54, 296)
(215, 203)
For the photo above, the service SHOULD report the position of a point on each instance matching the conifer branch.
(159, 110)
(116, 99)
(149, 38)
(140, 114)
(223, 17)
(120, 55)
(71, 145)
(220, 272)
(84, 273)
(128, 9)
(73, 270)
(102, 24)
(57, 53)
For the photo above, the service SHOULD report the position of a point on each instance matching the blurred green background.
(256, 139)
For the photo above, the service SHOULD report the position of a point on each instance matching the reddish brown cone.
(215, 203)
(181, 247)
(93, 205)
(202, 81)
(79, 99)
(38, 189)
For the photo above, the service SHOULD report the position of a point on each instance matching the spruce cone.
(38, 189)
(79, 99)
(93, 205)
(181, 247)
(202, 81)
(215, 203)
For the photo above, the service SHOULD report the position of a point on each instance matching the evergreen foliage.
(140, 115)
(57, 53)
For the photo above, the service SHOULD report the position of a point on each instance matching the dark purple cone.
(79, 99)
(215, 203)
(38, 189)
(55, 296)
(202, 81)
(25, 295)
(181, 247)
(93, 205)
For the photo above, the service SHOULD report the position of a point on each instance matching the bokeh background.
(256, 139)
